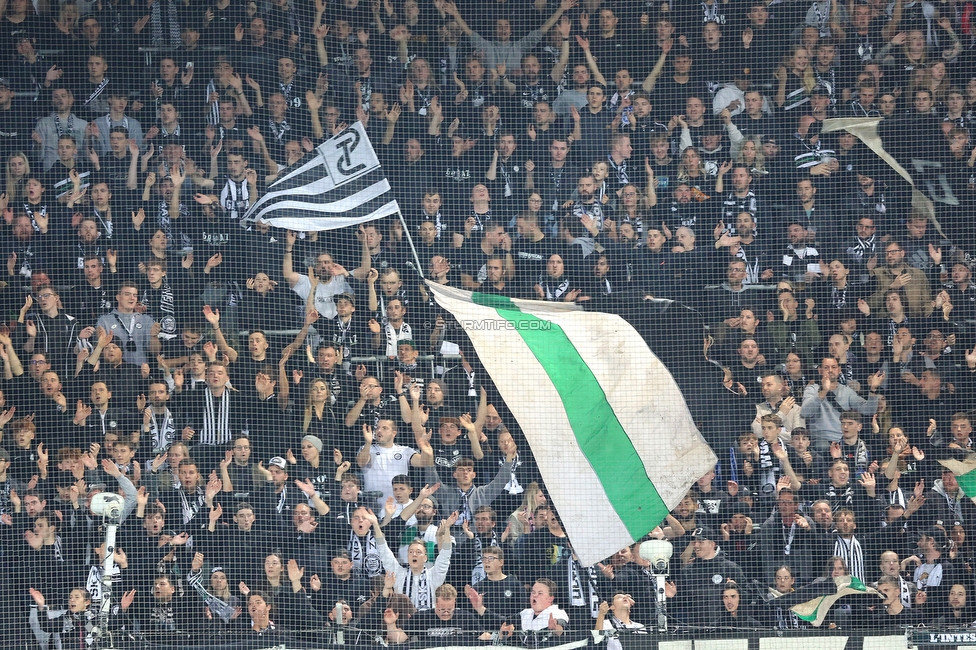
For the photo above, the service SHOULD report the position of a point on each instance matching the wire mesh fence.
(398, 322)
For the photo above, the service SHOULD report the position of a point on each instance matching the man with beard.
(586, 205)
(740, 199)
(93, 298)
(701, 582)
(88, 243)
(329, 366)
(553, 181)
(444, 619)
(532, 87)
(896, 274)
(574, 97)
(682, 210)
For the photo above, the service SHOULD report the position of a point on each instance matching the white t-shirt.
(384, 464)
(614, 643)
(531, 621)
(324, 293)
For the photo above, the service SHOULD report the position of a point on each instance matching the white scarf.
(394, 336)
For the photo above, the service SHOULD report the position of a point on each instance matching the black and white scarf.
(620, 171)
(98, 90)
(235, 198)
(578, 597)
(365, 558)
(853, 556)
(31, 210)
(159, 38)
(513, 486)
(216, 419)
(190, 504)
(163, 431)
(554, 289)
(416, 587)
(61, 129)
(165, 311)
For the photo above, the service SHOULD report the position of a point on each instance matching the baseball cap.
(5, 82)
(704, 532)
(278, 461)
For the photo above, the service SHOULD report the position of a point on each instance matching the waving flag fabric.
(607, 424)
(341, 184)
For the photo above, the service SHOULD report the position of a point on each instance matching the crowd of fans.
(305, 440)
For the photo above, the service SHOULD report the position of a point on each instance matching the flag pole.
(413, 249)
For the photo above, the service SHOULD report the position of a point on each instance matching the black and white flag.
(341, 184)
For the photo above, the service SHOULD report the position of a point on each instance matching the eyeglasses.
(488, 558)
(45, 296)
(38, 363)
(894, 250)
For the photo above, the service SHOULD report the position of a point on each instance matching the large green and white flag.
(815, 610)
(608, 426)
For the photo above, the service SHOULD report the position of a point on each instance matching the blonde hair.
(809, 80)
(759, 164)
(309, 407)
(15, 187)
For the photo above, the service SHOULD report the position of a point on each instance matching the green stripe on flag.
(598, 432)
(968, 483)
(857, 584)
(812, 605)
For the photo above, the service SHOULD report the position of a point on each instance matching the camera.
(107, 504)
(658, 552)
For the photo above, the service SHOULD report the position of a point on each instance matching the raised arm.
(584, 44)
(651, 79)
(286, 264)
(365, 259)
(451, 10)
(363, 457)
(213, 317)
(559, 67)
(563, 7)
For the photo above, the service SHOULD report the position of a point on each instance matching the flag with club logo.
(341, 184)
(608, 425)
